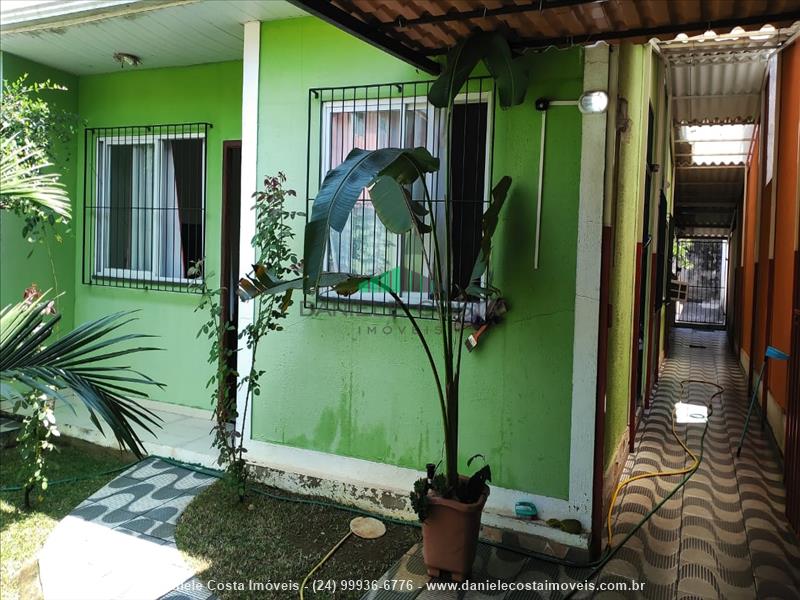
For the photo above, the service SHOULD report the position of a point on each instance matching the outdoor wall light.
(593, 102)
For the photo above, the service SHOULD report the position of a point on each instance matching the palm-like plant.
(24, 186)
(78, 362)
(387, 174)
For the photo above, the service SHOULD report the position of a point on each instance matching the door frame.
(229, 267)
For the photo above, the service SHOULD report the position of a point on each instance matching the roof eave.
(65, 14)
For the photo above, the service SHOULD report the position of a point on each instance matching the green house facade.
(348, 407)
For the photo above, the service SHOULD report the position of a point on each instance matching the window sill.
(413, 300)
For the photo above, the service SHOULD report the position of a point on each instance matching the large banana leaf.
(342, 187)
(395, 208)
(510, 74)
(262, 282)
(490, 220)
(77, 362)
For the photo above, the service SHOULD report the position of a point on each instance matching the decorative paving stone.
(165, 514)
(113, 547)
(191, 589)
(140, 524)
(165, 531)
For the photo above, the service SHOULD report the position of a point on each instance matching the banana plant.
(76, 362)
(387, 174)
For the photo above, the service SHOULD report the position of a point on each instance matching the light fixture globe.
(593, 102)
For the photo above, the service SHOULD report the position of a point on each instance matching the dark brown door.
(229, 267)
(793, 411)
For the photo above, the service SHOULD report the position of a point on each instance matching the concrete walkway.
(119, 544)
(185, 434)
(722, 536)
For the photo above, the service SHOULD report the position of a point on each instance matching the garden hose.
(50, 483)
(596, 565)
(322, 562)
(671, 472)
(610, 552)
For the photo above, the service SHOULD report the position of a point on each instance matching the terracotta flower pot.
(450, 535)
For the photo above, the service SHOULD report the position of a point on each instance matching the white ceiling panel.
(172, 34)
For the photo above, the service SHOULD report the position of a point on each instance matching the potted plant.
(449, 506)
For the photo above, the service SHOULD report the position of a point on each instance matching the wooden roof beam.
(330, 13)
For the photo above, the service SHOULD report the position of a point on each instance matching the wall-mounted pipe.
(542, 105)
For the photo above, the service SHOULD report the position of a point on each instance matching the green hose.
(604, 559)
(50, 483)
(596, 565)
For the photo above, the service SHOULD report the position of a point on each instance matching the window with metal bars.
(398, 115)
(144, 206)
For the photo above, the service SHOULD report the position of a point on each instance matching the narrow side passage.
(724, 535)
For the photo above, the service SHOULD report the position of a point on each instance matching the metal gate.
(703, 266)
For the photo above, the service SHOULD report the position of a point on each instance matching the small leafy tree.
(36, 369)
(276, 259)
(34, 442)
(34, 137)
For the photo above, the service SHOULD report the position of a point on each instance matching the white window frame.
(414, 299)
(101, 241)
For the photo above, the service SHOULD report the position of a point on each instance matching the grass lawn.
(22, 533)
(271, 540)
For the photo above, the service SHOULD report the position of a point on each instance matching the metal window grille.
(398, 115)
(144, 206)
(703, 266)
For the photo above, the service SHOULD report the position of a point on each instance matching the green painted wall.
(627, 232)
(657, 101)
(359, 385)
(48, 263)
(210, 93)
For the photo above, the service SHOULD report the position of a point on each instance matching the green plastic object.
(526, 510)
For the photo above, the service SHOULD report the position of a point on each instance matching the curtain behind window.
(128, 207)
(182, 227)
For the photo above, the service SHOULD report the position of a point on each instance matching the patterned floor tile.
(723, 536)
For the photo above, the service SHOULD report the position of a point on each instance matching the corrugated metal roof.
(707, 195)
(718, 144)
(721, 176)
(717, 87)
